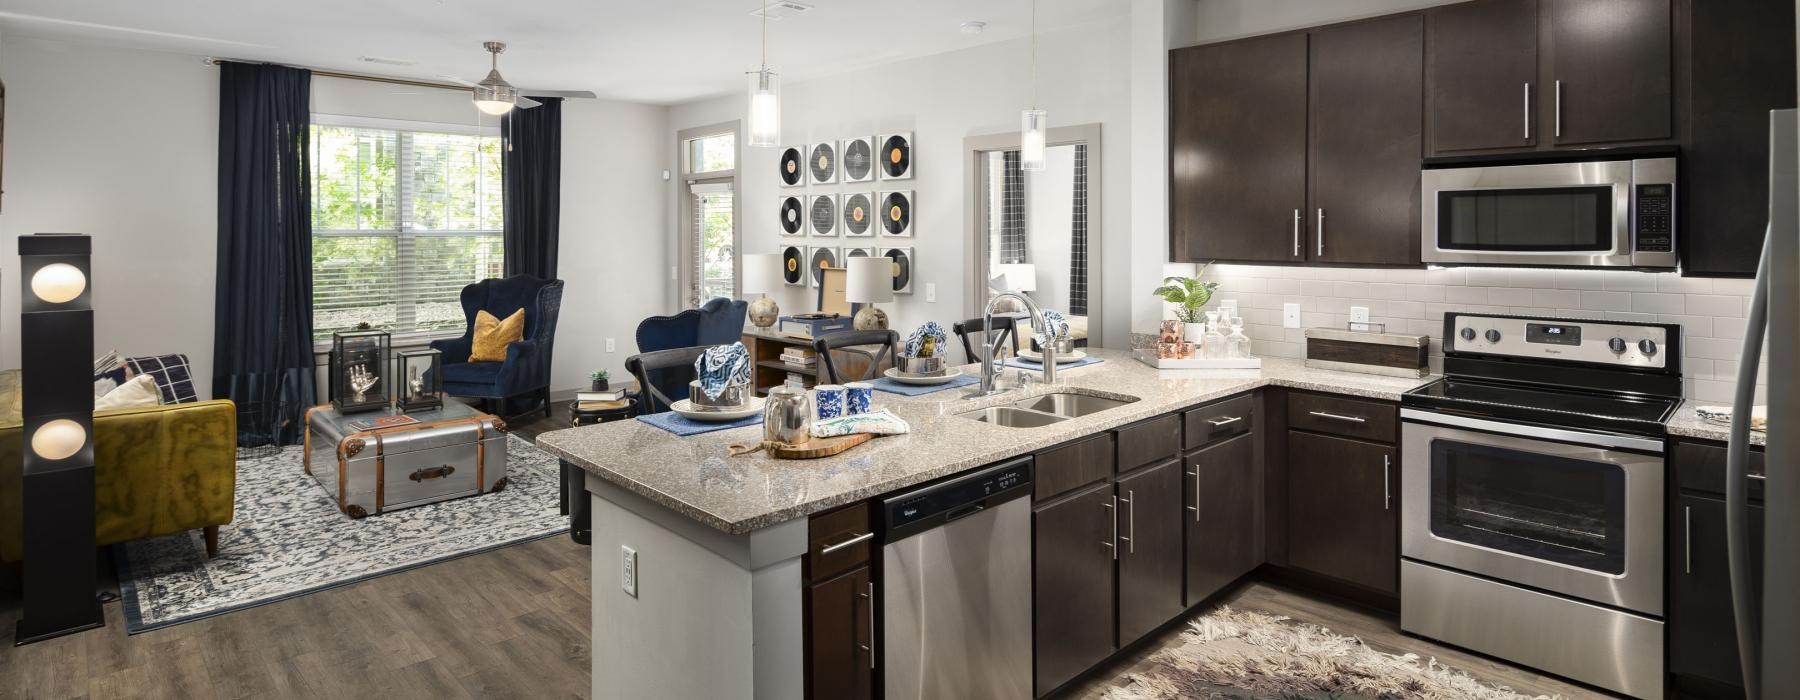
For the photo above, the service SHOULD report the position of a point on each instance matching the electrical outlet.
(1359, 314)
(610, 346)
(1290, 315)
(628, 570)
(931, 292)
(673, 275)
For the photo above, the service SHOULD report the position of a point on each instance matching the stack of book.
(797, 381)
(601, 400)
(800, 357)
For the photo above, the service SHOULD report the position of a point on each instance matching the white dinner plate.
(1061, 358)
(904, 378)
(686, 408)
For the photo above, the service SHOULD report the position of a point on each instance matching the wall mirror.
(1037, 231)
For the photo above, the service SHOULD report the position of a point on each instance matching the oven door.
(1559, 510)
(1563, 214)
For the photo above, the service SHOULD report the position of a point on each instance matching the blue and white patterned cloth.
(722, 366)
(1056, 324)
(915, 343)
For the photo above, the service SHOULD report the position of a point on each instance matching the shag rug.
(1230, 653)
(288, 538)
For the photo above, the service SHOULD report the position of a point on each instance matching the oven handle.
(1534, 431)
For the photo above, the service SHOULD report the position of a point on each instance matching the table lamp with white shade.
(760, 270)
(870, 281)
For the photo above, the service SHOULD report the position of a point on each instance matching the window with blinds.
(404, 216)
(713, 239)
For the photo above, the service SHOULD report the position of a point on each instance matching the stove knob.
(1467, 334)
(1493, 336)
(1617, 345)
(1647, 346)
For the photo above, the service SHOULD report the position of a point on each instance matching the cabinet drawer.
(1148, 442)
(1355, 418)
(429, 475)
(1701, 467)
(1218, 421)
(838, 541)
(1067, 467)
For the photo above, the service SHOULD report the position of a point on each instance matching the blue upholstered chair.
(719, 321)
(526, 371)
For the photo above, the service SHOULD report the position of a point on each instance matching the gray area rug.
(288, 539)
(1247, 654)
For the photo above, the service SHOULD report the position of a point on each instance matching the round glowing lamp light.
(58, 439)
(58, 283)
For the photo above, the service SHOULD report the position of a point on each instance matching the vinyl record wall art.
(903, 268)
(856, 159)
(897, 213)
(793, 265)
(895, 156)
(859, 214)
(822, 215)
(822, 257)
(857, 253)
(822, 163)
(793, 216)
(793, 167)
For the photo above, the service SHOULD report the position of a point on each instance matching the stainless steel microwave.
(1604, 213)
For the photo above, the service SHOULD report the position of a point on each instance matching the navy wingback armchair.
(526, 371)
(719, 321)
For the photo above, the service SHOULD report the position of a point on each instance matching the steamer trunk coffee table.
(452, 452)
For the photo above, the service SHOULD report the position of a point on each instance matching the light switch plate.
(628, 570)
(1290, 315)
(1359, 314)
(609, 345)
(931, 292)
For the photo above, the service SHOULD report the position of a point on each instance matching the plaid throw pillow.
(172, 378)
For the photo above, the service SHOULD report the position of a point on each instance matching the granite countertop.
(697, 477)
(1687, 423)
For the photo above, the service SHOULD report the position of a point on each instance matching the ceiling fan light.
(493, 95)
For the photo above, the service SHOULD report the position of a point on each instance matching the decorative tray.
(1149, 357)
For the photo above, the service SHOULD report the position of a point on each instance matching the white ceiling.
(655, 51)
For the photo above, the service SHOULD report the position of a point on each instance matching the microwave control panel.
(1655, 217)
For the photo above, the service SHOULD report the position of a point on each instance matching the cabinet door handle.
(1222, 422)
(1130, 521)
(1196, 507)
(1687, 539)
(1559, 109)
(1112, 509)
(1527, 111)
(870, 647)
(827, 549)
(1321, 231)
(1387, 491)
(1334, 416)
(1296, 233)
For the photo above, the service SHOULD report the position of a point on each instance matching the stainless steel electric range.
(1532, 495)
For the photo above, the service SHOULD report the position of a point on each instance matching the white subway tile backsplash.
(1606, 301)
(1714, 348)
(1555, 298)
(1729, 328)
(1715, 305)
(1653, 303)
(1510, 296)
(1466, 295)
(1676, 284)
(1627, 281)
(1487, 277)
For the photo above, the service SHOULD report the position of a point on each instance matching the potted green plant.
(599, 379)
(1189, 295)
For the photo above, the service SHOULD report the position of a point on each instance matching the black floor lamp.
(57, 344)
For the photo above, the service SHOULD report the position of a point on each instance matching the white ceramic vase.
(1193, 332)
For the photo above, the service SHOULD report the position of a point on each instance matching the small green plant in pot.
(599, 377)
(1189, 295)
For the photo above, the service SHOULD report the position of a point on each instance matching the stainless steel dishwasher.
(956, 587)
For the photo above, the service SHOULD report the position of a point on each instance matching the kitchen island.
(719, 544)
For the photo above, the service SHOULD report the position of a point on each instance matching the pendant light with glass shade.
(765, 95)
(1034, 122)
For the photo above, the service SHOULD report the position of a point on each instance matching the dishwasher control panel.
(959, 497)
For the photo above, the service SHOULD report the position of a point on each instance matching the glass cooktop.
(1575, 408)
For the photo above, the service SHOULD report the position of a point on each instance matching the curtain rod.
(213, 61)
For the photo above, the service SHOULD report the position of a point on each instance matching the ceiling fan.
(493, 95)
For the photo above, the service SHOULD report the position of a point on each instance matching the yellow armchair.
(158, 470)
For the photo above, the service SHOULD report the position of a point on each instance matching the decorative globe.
(763, 312)
(870, 319)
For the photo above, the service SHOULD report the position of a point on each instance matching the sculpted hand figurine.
(361, 380)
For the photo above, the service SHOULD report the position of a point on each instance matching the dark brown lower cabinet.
(842, 634)
(1221, 516)
(1702, 632)
(1343, 509)
(1072, 573)
(1150, 556)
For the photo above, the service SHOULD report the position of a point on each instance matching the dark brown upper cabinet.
(1237, 138)
(1612, 71)
(1481, 70)
(1366, 141)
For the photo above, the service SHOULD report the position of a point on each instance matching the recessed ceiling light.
(973, 27)
(388, 61)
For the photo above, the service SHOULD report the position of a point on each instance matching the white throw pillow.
(135, 392)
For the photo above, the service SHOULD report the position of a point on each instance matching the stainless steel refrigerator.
(1768, 611)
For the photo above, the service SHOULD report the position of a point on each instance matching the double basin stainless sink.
(1039, 411)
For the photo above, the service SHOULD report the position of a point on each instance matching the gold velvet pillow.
(493, 335)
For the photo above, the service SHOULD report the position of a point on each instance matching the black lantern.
(358, 363)
(421, 379)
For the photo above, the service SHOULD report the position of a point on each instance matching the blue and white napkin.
(916, 344)
(1056, 324)
(722, 366)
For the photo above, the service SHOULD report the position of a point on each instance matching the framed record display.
(896, 211)
(894, 156)
(857, 253)
(793, 216)
(822, 163)
(822, 214)
(822, 257)
(903, 268)
(856, 159)
(858, 214)
(793, 166)
(793, 265)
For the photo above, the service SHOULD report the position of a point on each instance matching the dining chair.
(1005, 330)
(875, 345)
(669, 368)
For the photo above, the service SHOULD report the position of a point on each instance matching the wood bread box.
(1390, 354)
(369, 472)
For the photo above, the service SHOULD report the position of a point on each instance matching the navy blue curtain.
(532, 168)
(262, 308)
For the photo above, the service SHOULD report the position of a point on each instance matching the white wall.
(122, 144)
(942, 99)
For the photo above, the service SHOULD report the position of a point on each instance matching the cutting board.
(821, 447)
